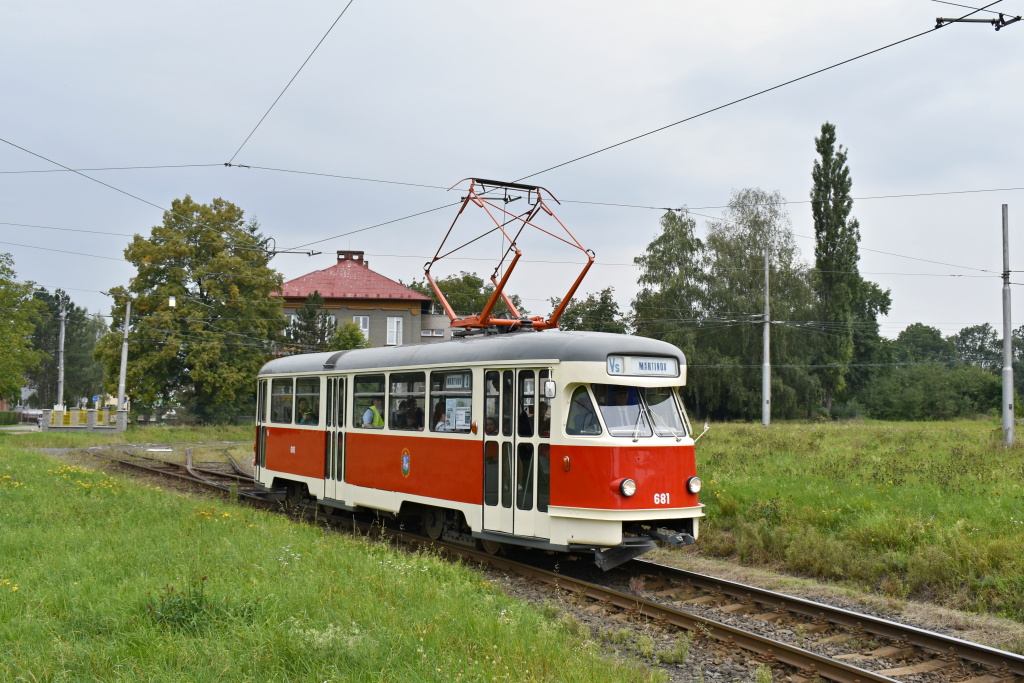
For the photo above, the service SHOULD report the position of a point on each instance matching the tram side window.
(492, 380)
(582, 418)
(543, 477)
(261, 401)
(524, 476)
(451, 401)
(506, 474)
(307, 400)
(543, 407)
(281, 401)
(491, 473)
(368, 403)
(508, 406)
(527, 418)
(406, 400)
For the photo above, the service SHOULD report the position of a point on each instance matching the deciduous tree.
(349, 336)
(205, 351)
(467, 294)
(671, 303)
(731, 383)
(17, 310)
(598, 312)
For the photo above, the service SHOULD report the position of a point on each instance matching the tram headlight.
(693, 484)
(627, 487)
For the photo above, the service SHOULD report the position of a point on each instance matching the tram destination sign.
(643, 366)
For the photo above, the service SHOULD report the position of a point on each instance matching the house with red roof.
(389, 313)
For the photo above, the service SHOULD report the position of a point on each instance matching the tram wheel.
(491, 547)
(433, 522)
(292, 495)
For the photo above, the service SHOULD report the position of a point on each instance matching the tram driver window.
(492, 380)
(307, 400)
(368, 406)
(622, 409)
(451, 401)
(281, 401)
(668, 421)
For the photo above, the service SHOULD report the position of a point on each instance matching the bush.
(932, 392)
(8, 417)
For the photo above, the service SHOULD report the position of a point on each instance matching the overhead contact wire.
(291, 81)
(749, 97)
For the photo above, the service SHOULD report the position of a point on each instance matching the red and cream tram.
(566, 441)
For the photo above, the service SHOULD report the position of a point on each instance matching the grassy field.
(134, 434)
(107, 579)
(931, 510)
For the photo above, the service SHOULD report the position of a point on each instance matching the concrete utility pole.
(124, 357)
(766, 368)
(60, 355)
(1007, 335)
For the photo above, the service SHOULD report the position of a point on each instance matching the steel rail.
(929, 640)
(766, 648)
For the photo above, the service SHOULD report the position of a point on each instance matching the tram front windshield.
(637, 411)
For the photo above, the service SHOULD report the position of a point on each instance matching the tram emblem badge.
(405, 462)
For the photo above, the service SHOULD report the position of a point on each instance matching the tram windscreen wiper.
(641, 405)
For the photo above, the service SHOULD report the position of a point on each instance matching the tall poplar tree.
(837, 280)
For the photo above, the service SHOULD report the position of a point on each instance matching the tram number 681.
(661, 499)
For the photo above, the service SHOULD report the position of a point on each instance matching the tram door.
(334, 460)
(516, 452)
(261, 429)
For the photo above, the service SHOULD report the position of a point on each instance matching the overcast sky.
(431, 93)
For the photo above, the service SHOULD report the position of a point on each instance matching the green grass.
(932, 510)
(134, 434)
(105, 579)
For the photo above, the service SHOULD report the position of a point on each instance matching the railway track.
(810, 640)
(228, 477)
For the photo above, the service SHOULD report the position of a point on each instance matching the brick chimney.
(356, 256)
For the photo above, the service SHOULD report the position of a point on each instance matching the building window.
(394, 331)
(424, 333)
(364, 324)
(438, 333)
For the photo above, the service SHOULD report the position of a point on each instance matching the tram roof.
(548, 345)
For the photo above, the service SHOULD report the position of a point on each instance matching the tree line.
(205, 317)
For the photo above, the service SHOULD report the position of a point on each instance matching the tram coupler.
(673, 537)
(613, 557)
